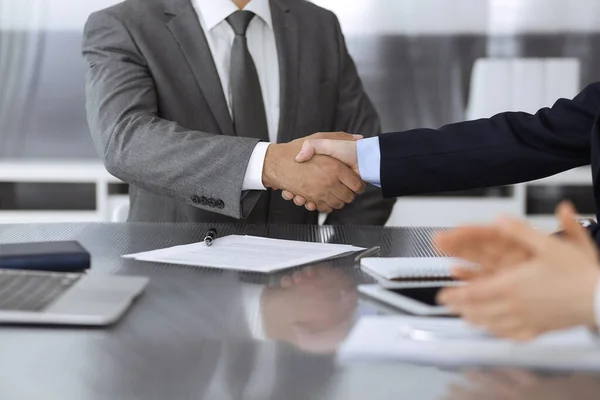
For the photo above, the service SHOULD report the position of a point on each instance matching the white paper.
(454, 343)
(246, 253)
(410, 267)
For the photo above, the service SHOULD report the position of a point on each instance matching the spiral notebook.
(410, 268)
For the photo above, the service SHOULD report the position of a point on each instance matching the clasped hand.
(310, 171)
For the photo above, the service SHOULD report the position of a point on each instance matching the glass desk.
(206, 334)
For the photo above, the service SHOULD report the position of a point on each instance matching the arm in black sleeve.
(508, 148)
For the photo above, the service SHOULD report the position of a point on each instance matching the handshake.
(319, 172)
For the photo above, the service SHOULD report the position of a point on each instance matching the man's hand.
(548, 283)
(343, 150)
(490, 248)
(327, 145)
(324, 181)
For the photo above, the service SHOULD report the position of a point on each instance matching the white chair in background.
(499, 85)
(118, 208)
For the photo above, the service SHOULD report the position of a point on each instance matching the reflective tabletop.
(206, 334)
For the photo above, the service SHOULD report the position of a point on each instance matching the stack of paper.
(246, 253)
(402, 268)
(444, 341)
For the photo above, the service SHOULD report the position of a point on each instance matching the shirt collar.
(213, 12)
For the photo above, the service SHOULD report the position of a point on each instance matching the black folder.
(68, 256)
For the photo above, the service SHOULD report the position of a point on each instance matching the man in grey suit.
(201, 106)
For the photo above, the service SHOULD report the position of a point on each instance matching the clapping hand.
(529, 283)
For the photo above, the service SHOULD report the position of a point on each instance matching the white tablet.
(414, 300)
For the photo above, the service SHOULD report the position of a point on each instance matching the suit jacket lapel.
(285, 27)
(185, 27)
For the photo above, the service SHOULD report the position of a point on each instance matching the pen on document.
(211, 235)
(369, 252)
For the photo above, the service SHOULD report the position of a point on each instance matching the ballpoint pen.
(211, 235)
(369, 252)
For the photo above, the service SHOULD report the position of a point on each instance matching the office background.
(416, 58)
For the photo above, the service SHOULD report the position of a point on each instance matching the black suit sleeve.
(508, 148)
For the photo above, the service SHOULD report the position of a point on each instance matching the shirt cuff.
(254, 171)
(368, 154)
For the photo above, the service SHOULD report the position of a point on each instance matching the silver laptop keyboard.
(32, 291)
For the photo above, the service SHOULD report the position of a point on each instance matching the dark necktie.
(249, 117)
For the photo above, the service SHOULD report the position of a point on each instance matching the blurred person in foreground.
(527, 282)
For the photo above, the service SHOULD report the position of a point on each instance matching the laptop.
(33, 297)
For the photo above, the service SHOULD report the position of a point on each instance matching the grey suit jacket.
(160, 121)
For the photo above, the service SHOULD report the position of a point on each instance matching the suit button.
(220, 204)
(195, 199)
(212, 203)
(203, 201)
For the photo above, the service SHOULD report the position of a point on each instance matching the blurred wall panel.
(415, 57)
(42, 96)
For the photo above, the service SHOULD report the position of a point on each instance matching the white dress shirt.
(368, 155)
(263, 49)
